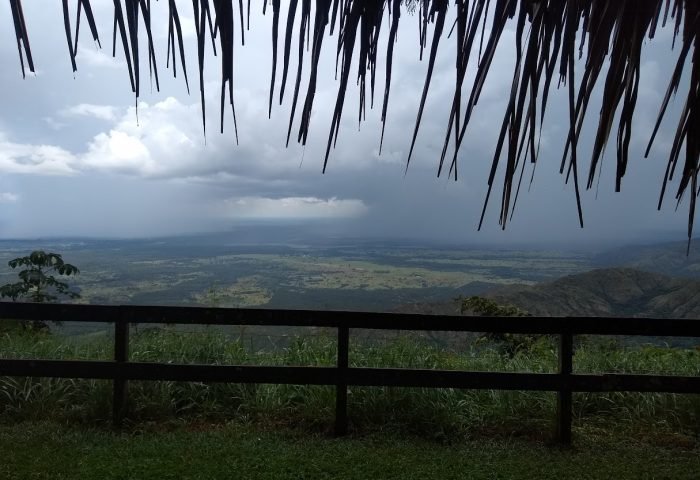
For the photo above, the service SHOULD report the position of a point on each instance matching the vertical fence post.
(564, 396)
(121, 355)
(341, 392)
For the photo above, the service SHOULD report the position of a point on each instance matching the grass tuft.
(432, 413)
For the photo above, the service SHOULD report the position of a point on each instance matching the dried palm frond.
(22, 35)
(175, 30)
(612, 32)
(73, 47)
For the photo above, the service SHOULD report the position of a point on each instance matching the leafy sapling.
(37, 281)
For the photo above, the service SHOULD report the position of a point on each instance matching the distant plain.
(362, 276)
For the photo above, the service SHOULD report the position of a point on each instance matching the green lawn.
(56, 428)
(45, 450)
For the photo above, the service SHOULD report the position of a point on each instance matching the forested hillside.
(608, 292)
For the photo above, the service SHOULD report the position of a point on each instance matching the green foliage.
(201, 450)
(489, 308)
(510, 343)
(441, 414)
(37, 281)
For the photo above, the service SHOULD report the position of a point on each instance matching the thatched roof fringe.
(22, 36)
(612, 34)
(175, 32)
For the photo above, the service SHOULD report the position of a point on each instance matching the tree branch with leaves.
(37, 281)
(509, 344)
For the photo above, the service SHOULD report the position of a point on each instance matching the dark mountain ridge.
(607, 292)
(669, 258)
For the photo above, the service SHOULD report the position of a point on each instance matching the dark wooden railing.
(564, 382)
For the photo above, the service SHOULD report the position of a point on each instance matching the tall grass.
(432, 412)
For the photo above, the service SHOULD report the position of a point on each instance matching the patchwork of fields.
(346, 277)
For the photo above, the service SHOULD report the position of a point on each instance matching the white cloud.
(120, 152)
(159, 144)
(55, 124)
(101, 112)
(35, 159)
(8, 197)
(293, 208)
(165, 140)
(94, 57)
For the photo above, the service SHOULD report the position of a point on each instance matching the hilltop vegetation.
(608, 292)
(615, 292)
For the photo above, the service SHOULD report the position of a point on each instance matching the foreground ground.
(58, 428)
(45, 450)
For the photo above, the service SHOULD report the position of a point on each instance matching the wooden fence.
(564, 382)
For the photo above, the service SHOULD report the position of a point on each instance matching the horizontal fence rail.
(564, 382)
(337, 319)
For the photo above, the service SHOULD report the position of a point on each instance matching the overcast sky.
(76, 161)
